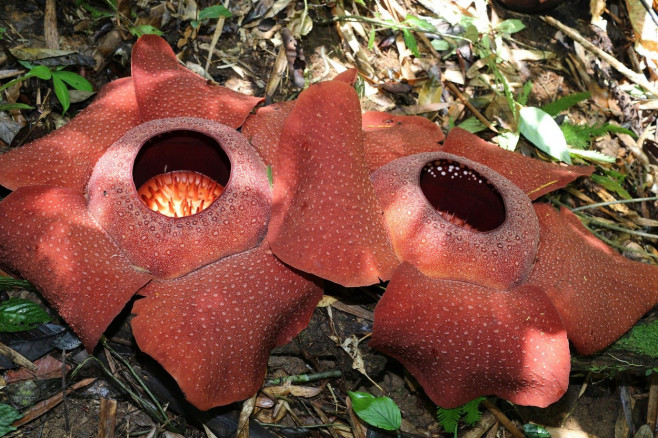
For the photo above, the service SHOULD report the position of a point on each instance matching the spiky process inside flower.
(179, 193)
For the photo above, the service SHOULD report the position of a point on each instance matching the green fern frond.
(471, 411)
(580, 136)
(563, 103)
(449, 418)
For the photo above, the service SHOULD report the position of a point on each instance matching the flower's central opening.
(462, 196)
(180, 173)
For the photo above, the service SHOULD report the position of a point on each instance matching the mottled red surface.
(462, 341)
(48, 237)
(325, 219)
(170, 247)
(598, 293)
(388, 137)
(500, 258)
(222, 322)
(66, 157)
(85, 239)
(165, 88)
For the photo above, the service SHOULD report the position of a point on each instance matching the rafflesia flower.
(152, 191)
(491, 286)
(487, 288)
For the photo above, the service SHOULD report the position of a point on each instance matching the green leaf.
(8, 415)
(41, 72)
(440, 45)
(62, 93)
(611, 185)
(419, 23)
(13, 106)
(215, 11)
(540, 129)
(74, 80)
(472, 125)
(269, 175)
(410, 41)
(472, 34)
(145, 29)
(592, 155)
(17, 314)
(510, 26)
(371, 39)
(556, 107)
(380, 412)
(507, 140)
(535, 431)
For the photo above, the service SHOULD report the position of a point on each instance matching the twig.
(17, 358)
(66, 408)
(46, 405)
(454, 90)
(506, 422)
(621, 68)
(652, 408)
(215, 37)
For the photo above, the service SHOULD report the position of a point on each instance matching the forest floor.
(452, 80)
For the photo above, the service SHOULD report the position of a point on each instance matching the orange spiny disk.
(179, 193)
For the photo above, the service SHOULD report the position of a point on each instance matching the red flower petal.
(325, 218)
(534, 177)
(165, 88)
(425, 208)
(166, 246)
(598, 293)
(65, 157)
(388, 137)
(263, 128)
(348, 76)
(463, 341)
(213, 329)
(47, 237)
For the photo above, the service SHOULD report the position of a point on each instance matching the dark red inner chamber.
(455, 189)
(181, 150)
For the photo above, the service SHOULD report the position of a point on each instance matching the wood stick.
(108, 418)
(506, 422)
(621, 68)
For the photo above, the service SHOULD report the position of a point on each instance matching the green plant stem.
(621, 201)
(617, 227)
(153, 411)
(136, 377)
(621, 247)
